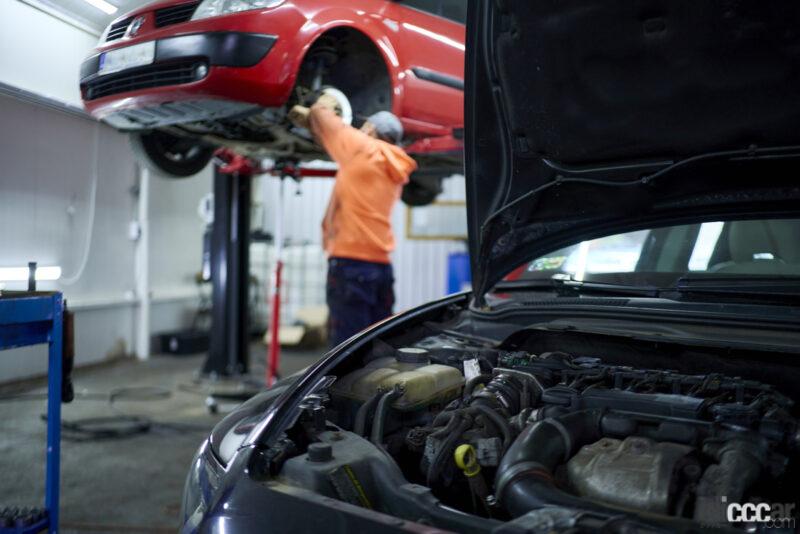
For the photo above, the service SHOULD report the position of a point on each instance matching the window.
(428, 6)
(455, 10)
(614, 254)
(752, 247)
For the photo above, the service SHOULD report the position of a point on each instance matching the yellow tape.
(362, 495)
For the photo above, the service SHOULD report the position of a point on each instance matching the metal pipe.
(142, 266)
(274, 352)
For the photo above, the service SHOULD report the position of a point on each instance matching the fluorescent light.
(102, 5)
(704, 245)
(20, 274)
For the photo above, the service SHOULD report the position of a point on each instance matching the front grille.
(118, 29)
(144, 78)
(175, 14)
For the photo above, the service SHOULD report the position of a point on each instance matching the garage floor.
(131, 484)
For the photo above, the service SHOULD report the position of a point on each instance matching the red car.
(187, 76)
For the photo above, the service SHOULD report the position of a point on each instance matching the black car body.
(628, 361)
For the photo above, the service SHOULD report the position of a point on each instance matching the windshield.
(742, 248)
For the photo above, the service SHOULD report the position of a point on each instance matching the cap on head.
(387, 125)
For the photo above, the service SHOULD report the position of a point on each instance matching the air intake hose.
(524, 478)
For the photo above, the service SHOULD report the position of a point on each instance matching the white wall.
(176, 231)
(48, 160)
(48, 163)
(40, 53)
(420, 265)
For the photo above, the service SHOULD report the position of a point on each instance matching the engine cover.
(637, 473)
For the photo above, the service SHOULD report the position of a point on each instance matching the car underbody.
(251, 131)
(258, 133)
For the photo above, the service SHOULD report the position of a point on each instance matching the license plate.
(127, 58)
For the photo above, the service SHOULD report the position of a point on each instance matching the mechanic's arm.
(339, 140)
(333, 134)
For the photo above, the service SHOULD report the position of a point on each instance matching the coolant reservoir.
(424, 383)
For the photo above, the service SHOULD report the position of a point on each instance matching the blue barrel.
(459, 276)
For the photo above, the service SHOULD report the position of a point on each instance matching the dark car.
(629, 358)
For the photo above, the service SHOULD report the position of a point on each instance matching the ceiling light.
(20, 274)
(102, 5)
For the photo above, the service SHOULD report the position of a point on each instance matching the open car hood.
(588, 118)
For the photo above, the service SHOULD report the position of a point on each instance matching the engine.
(513, 436)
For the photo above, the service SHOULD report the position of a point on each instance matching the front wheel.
(423, 187)
(416, 195)
(170, 155)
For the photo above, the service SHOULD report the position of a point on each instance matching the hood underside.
(587, 118)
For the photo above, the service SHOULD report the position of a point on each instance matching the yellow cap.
(467, 460)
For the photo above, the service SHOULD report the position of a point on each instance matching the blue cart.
(32, 318)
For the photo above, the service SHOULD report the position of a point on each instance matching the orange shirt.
(357, 223)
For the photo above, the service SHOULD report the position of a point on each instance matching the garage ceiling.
(86, 14)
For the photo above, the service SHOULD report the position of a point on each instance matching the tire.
(169, 155)
(421, 190)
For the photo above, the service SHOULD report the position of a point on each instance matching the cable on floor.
(117, 426)
(103, 427)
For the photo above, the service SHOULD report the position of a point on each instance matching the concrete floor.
(131, 484)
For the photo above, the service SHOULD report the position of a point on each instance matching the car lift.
(228, 355)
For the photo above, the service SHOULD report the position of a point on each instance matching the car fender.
(330, 18)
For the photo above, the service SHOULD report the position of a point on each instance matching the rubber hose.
(502, 425)
(437, 464)
(379, 421)
(442, 418)
(473, 382)
(451, 424)
(360, 425)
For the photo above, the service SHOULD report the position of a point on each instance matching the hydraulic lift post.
(230, 260)
(228, 353)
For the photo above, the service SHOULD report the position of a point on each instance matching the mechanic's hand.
(299, 116)
(327, 101)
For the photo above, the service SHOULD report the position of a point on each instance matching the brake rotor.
(344, 109)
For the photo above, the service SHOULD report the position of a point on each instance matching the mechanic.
(357, 230)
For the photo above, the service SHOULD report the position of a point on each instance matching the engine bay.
(549, 441)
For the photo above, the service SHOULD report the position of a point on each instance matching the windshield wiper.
(567, 285)
(777, 286)
(773, 287)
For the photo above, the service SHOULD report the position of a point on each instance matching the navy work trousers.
(359, 293)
